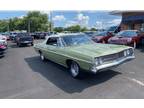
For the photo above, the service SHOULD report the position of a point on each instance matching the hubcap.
(74, 69)
(42, 57)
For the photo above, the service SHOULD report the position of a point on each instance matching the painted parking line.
(25, 93)
(135, 81)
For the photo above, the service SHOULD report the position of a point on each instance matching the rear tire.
(31, 44)
(42, 56)
(18, 44)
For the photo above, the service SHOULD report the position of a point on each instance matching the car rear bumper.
(111, 65)
(26, 42)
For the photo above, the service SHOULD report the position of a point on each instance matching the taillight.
(2, 46)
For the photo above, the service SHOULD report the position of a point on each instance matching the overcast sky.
(98, 19)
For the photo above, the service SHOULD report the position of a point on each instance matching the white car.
(3, 39)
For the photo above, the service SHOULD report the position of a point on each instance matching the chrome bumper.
(112, 64)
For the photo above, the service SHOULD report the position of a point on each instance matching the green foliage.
(3, 25)
(36, 20)
(59, 29)
(84, 29)
(75, 28)
(93, 29)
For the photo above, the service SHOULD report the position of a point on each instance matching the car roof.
(66, 34)
(131, 30)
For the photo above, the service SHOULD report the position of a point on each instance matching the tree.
(3, 25)
(38, 21)
(58, 29)
(75, 28)
(93, 29)
(34, 20)
(84, 29)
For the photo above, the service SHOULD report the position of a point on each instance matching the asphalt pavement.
(24, 75)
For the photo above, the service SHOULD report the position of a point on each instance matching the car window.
(52, 41)
(76, 40)
(127, 33)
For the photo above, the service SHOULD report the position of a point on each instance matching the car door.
(54, 50)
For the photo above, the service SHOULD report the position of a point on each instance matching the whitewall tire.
(74, 69)
(42, 57)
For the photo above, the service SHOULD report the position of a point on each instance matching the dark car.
(13, 35)
(39, 35)
(24, 39)
(2, 49)
(127, 37)
(102, 37)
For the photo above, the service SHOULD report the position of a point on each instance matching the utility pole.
(51, 21)
(29, 26)
(8, 29)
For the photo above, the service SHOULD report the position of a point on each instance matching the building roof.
(124, 11)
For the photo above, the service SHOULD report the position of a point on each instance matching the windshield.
(127, 33)
(76, 40)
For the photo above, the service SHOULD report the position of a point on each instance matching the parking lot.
(24, 75)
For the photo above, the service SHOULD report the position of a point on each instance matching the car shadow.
(60, 77)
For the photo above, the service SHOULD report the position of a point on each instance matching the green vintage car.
(77, 52)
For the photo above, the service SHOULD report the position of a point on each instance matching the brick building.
(131, 20)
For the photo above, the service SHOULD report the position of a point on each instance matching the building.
(131, 19)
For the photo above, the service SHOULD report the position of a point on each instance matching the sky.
(97, 19)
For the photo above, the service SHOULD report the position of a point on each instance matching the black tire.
(74, 70)
(18, 44)
(32, 44)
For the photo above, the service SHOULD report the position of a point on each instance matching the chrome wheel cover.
(74, 69)
(42, 57)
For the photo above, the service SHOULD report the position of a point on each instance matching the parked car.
(77, 52)
(39, 35)
(24, 39)
(102, 37)
(2, 48)
(127, 37)
(114, 29)
(13, 35)
(7, 35)
(4, 40)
